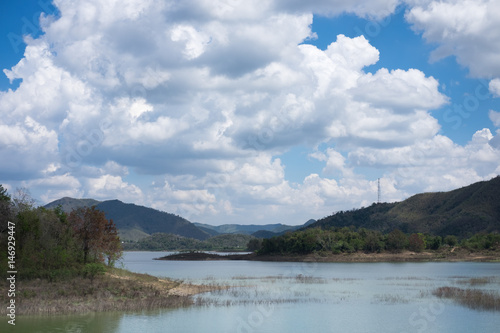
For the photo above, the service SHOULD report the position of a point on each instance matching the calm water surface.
(299, 297)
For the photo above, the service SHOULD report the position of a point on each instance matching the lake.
(299, 297)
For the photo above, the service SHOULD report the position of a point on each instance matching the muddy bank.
(406, 256)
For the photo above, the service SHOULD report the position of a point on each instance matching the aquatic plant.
(472, 298)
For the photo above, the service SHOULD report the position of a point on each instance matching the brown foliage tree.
(112, 246)
(97, 235)
(416, 243)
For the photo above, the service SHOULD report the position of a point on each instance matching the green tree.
(5, 209)
(373, 241)
(433, 242)
(396, 241)
(451, 240)
(254, 244)
(92, 270)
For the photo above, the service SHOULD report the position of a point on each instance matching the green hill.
(135, 222)
(250, 229)
(68, 204)
(462, 212)
(149, 220)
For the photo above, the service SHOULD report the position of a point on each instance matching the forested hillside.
(463, 212)
(135, 222)
(170, 242)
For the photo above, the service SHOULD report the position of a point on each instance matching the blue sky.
(231, 112)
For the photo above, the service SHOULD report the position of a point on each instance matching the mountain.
(461, 212)
(68, 204)
(251, 229)
(135, 222)
(149, 220)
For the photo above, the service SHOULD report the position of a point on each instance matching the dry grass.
(479, 281)
(389, 299)
(117, 290)
(472, 298)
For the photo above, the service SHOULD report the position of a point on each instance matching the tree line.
(338, 240)
(50, 243)
(170, 242)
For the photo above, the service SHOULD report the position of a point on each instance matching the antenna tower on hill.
(378, 185)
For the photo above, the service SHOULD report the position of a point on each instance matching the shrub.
(451, 240)
(92, 270)
(396, 241)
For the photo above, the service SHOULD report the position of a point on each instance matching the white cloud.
(27, 148)
(195, 41)
(203, 96)
(109, 186)
(435, 164)
(495, 117)
(466, 29)
(494, 87)
(400, 90)
(376, 9)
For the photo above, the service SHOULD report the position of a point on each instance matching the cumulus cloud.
(466, 29)
(495, 87)
(377, 9)
(495, 117)
(202, 96)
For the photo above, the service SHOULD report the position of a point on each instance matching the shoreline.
(458, 255)
(116, 290)
(122, 290)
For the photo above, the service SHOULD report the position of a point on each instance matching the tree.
(97, 236)
(451, 240)
(22, 200)
(92, 270)
(112, 247)
(416, 243)
(5, 209)
(254, 244)
(396, 241)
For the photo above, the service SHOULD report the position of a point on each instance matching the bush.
(396, 241)
(93, 270)
(451, 240)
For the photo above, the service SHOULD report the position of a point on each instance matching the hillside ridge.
(461, 212)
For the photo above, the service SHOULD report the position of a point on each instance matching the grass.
(479, 281)
(472, 298)
(389, 299)
(117, 290)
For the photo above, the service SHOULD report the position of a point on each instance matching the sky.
(248, 112)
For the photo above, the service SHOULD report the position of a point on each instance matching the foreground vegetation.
(50, 244)
(64, 263)
(115, 290)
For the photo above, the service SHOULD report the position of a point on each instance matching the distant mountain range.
(251, 229)
(137, 222)
(462, 212)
